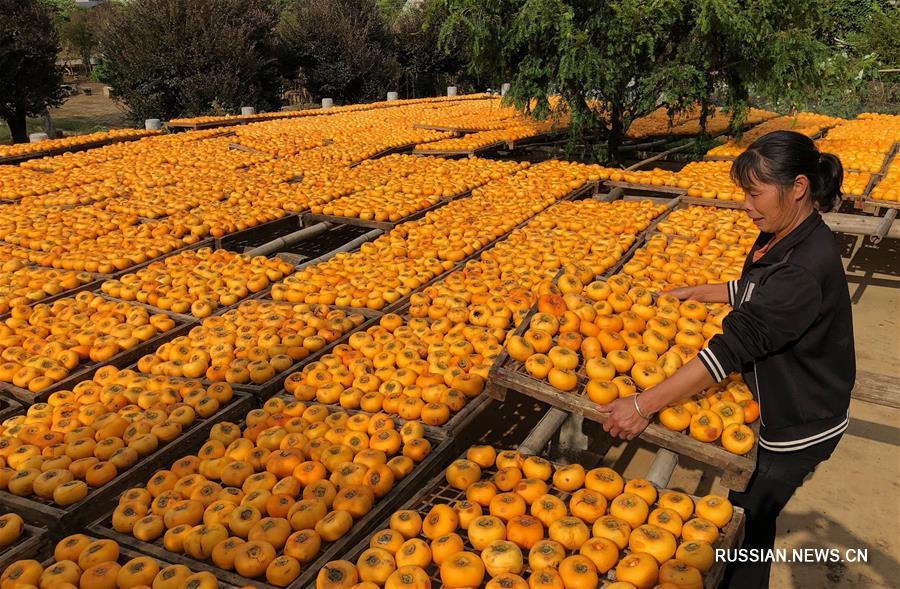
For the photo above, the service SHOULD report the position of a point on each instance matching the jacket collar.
(783, 247)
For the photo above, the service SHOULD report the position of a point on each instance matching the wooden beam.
(880, 389)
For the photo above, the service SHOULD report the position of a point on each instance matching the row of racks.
(445, 440)
(427, 479)
(505, 376)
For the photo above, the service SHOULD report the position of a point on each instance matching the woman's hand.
(623, 421)
(682, 294)
(705, 293)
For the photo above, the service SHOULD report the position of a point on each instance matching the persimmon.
(408, 577)
(605, 481)
(531, 489)
(613, 528)
(701, 530)
(706, 426)
(697, 554)
(639, 569)
(337, 574)
(714, 508)
(738, 438)
(441, 520)
(463, 569)
(680, 574)
(414, 552)
(578, 572)
(587, 505)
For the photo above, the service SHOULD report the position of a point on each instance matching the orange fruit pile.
(83, 438)
(525, 522)
(42, 344)
(251, 343)
(415, 370)
(84, 562)
(73, 141)
(198, 281)
(266, 498)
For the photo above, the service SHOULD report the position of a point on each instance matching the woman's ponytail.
(825, 191)
(781, 156)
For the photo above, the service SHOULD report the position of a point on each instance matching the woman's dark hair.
(779, 157)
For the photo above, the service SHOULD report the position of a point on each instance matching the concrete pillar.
(392, 96)
(570, 435)
(153, 124)
(451, 90)
(504, 89)
(247, 111)
(37, 137)
(47, 123)
(327, 103)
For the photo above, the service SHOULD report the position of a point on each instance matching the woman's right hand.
(682, 294)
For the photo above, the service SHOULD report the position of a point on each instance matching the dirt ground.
(96, 109)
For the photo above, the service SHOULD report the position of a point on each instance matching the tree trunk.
(17, 128)
(616, 132)
(86, 61)
(705, 110)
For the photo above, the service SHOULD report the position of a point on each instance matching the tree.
(879, 36)
(339, 48)
(615, 60)
(608, 61)
(168, 58)
(29, 77)
(426, 68)
(77, 34)
(772, 49)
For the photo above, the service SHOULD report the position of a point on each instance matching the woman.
(790, 334)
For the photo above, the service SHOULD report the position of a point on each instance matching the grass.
(69, 126)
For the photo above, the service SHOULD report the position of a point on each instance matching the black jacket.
(791, 336)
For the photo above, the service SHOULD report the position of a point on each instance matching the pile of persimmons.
(418, 184)
(251, 343)
(612, 340)
(84, 438)
(395, 264)
(414, 370)
(198, 281)
(84, 562)
(525, 523)
(496, 290)
(42, 344)
(263, 498)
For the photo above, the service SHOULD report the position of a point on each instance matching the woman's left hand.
(623, 421)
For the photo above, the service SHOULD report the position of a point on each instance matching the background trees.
(338, 48)
(168, 58)
(610, 61)
(617, 60)
(30, 80)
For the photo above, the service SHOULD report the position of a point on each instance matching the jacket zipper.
(758, 395)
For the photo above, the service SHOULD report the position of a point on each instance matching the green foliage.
(426, 69)
(168, 58)
(879, 36)
(77, 34)
(338, 48)
(390, 9)
(614, 60)
(100, 72)
(30, 79)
